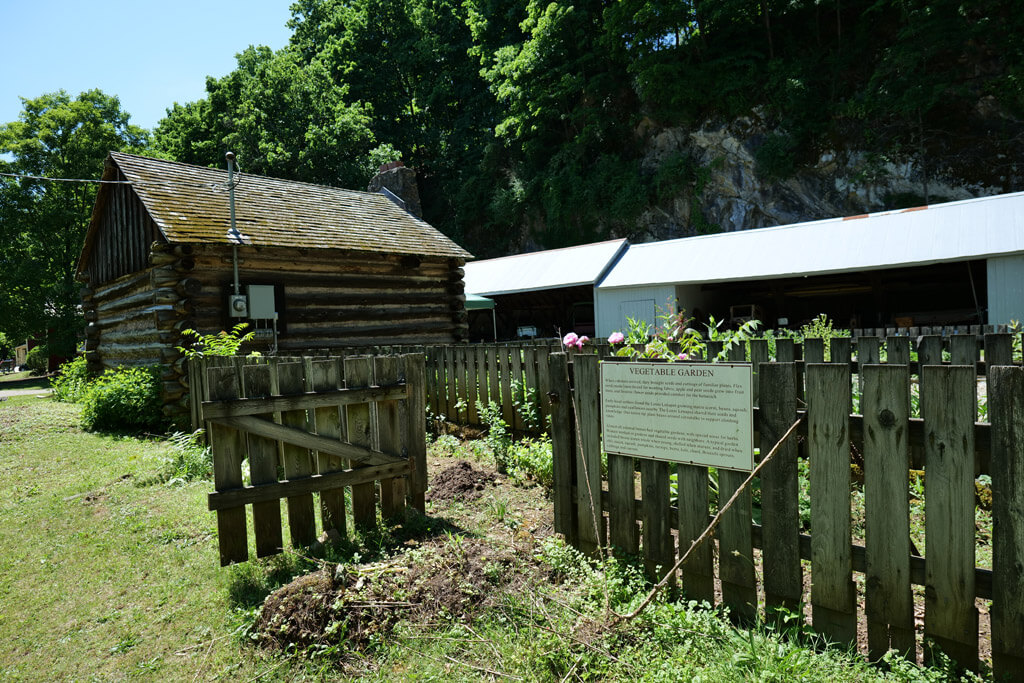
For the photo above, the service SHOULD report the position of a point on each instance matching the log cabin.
(307, 267)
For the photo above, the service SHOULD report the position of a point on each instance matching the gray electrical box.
(261, 302)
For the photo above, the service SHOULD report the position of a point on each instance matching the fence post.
(889, 602)
(389, 438)
(588, 460)
(413, 418)
(228, 448)
(297, 461)
(263, 462)
(950, 618)
(359, 417)
(324, 376)
(563, 447)
(1006, 412)
(833, 593)
(783, 583)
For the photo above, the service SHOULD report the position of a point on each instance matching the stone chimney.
(401, 182)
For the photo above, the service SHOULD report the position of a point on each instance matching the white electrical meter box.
(261, 302)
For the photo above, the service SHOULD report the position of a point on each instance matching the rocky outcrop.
(731, 192)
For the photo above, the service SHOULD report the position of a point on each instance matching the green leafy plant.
(821, 327)
(190, 459)
(499, 434)
(72, 381)
(37, 360)
(125, 399)
(220, 344)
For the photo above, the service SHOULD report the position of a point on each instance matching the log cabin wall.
(329, 298)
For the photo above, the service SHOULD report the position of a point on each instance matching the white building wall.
(1005, 289)
(613, 306)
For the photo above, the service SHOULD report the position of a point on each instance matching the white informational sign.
(697, 413)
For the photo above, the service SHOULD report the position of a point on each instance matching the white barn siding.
(615, 305)
(1005, 289)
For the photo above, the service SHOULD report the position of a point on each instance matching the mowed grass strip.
(103, 573)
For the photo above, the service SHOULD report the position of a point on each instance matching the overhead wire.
(23, 176)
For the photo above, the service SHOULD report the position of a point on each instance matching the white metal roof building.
(989, 230)
(546, 291)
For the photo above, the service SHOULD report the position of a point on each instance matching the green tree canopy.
(43, 223)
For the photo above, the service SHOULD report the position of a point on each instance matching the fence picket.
(833, 592)
(474, 371)
(841, 348)
(493, 388)
(414, 419)
(266, 516)
(698, 571)
(228, 447)
(659, 551)
(889, 603)
(814, 350)
(588, 460)
(324, 376)
(297, 461)
(780, 514)
(389, 438)
(1006, 411)
(461, 380)
(563, 449)
(359, 374)
(950, 617)
(516, 382)
(505, 377)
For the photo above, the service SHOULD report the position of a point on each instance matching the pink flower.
(683, 356)
(570, 339)
(616, 338)
(581, 341)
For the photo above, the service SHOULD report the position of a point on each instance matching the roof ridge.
(242, 173)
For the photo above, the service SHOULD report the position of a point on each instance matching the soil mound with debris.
(450, 578)
(459, 482)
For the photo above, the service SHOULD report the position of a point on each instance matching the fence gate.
(309, 428)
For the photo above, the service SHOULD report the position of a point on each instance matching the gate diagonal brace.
(297, 437)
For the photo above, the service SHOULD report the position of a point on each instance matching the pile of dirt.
(451, 578)
(459, 482)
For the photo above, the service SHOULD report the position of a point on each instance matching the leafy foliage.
(72, 381)
(220, 344)
(37, 360)
(124, 400)
(43, 224)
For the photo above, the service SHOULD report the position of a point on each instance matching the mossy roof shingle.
(190, 205)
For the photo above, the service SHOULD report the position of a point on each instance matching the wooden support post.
(780, 514)
(1006, 411)
(228, 447)
(563, 447)
(263, 463)
(325, 376)
(833, 593)
(588, 461)
(412, 420)
(297, 461)
(389, 438)
(360, 421)
(889, 602)
(950, 617)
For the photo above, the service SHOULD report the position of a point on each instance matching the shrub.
(125, 399)
(38, 360)
(71, 382)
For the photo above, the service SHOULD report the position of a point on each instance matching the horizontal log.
(303, 439)
(328, 296)
(90, 315)
(297, 343)
(188, 287)
(125, 283)
(185, 264)
(323, 399)
(400, 314)
(319, 260)
(358, 328)
(161, 352)
(173, 391)
(220, 500)
(164, 276)
(139, 298)
(162, 258)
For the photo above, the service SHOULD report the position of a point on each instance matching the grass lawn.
(103, 577)
(107, 573)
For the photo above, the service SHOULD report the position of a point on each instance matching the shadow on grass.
(252, 581)
(9, 383)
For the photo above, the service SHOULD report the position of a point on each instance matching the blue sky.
(150, 54)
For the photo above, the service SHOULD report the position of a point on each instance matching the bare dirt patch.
(459, 481)
(446, 578)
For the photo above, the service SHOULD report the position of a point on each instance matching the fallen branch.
(707, 532)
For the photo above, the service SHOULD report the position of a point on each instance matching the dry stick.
(707, 532)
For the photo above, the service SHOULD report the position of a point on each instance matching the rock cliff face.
(732, 193)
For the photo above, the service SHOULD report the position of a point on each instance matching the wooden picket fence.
(310, 428)
(945, 441)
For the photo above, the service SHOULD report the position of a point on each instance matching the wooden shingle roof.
(190, 205)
